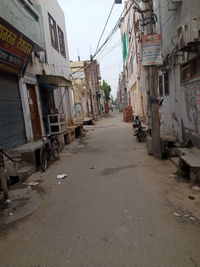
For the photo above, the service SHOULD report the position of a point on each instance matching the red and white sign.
(151, 46)
(15, 48)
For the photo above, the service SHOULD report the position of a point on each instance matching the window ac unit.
(174, 4)
(181, 37)
(192, 29)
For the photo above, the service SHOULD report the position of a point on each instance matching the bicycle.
(59, 144)
(49, 149)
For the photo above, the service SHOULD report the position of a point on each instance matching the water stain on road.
(110, 171)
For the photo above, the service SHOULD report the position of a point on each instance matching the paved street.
(117, 207)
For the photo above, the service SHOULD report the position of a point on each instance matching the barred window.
(61, 42)
(53, 32)
(190, 70)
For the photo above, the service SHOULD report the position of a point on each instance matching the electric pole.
(152, 87)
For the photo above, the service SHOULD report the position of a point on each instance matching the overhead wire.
(110, 35)
(105, 25)
(110, 50)
(107, 49)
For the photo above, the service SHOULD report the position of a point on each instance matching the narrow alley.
(118, 206)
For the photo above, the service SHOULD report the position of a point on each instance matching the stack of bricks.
(128, 114)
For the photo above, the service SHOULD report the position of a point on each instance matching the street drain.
(13, 180)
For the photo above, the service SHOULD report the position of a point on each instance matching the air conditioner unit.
(192, 29)
(174, 4)
(181, 37)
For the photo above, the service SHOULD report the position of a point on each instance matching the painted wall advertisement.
(15, 48)
(151, 50)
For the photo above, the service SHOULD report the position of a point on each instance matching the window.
(190, 70)
(130, 67)
(160, 85)
(53, 32)
(166, 83)
(61, 42)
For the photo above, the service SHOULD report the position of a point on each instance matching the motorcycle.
(139, 131)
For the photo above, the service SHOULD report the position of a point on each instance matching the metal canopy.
(54, 81)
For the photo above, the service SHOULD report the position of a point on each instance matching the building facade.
(82, 94)
(179, 77)
(21, 34)
(92, 76)
(51, 67)
(131, 88)
(34, 69)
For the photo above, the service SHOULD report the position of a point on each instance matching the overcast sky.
(85, 20)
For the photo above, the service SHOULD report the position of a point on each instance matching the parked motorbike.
(139, 131)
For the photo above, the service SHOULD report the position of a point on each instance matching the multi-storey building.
(122, 97)
(179, 77)
(35, 72)
(132, 88)
(21, 34)
(82, 94)
(50, 70)
(92, 76)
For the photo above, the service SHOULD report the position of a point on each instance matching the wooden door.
(35, 117)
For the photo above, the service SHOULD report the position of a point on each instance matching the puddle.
(110, 171)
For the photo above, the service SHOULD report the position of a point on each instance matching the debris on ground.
(173, 175)
(196, 188)
(33, 183)
(185, 216)
(91, 167)
(177, 214)
(62, 176)
(188, 216)
(191, 197)
(7, 201)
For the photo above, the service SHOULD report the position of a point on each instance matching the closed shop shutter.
(12, 131)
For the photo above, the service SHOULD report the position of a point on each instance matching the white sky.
(85, 20)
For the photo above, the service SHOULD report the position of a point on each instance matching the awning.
(54, 81)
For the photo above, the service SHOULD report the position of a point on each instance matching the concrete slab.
(169, 138)
(28, 147)
(192, 157)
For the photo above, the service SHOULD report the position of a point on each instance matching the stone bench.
(190, 162)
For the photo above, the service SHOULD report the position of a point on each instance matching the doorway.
(34, 111)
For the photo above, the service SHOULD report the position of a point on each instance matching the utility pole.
(152, 87)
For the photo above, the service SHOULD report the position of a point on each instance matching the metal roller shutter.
(12, 131)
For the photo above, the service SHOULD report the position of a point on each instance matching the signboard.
(15, 48)
(151, 53)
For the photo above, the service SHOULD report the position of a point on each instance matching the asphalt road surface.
(111, 210)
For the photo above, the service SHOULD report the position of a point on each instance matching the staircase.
(24, 160)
